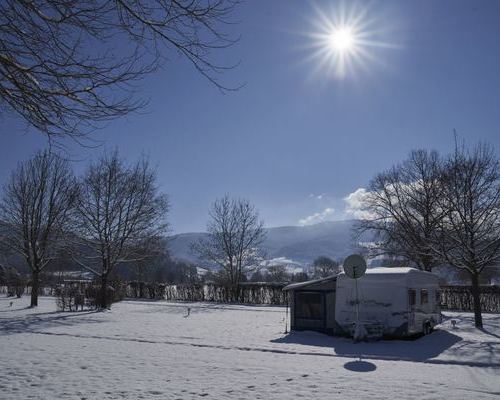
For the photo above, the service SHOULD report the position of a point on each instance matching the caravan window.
(412, 297)
(424, 296)
(438, 297)
(309, 305)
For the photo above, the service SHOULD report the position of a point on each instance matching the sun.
(345, 39)
(341, 46)
(342, 39)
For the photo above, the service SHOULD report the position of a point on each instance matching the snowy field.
(152, 350)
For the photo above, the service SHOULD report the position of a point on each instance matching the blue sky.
(297, 139)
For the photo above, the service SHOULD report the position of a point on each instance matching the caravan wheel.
(427, 329)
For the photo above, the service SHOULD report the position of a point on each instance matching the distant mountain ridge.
(299, 244)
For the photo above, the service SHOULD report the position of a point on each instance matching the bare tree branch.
(68, 65)
(404, 210)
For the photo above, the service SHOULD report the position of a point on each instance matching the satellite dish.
(354, 266)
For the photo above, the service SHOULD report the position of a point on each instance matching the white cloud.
(317, 217)
(321, 196)
(355, 204)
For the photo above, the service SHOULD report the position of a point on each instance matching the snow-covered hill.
(299, 244)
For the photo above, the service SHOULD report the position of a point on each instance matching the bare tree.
(325, 266)
(35, 206)
(403, 209)
(66, 64)
(149, 252)
(277, 273)
(469, 235)
(119, 215)
(235, 236)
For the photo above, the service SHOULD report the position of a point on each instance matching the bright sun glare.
(345, 38)
(342, 39)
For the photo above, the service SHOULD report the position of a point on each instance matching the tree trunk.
(236, 293)
(35, 286)
(478, 319)
(103, 300)
(427, 263)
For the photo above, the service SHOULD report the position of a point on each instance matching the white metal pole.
(286, 315)
(357, 304)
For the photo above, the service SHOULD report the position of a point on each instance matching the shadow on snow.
(424, 349)
(360, 366)
(43, 320)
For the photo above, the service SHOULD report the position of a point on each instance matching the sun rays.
(344, 40)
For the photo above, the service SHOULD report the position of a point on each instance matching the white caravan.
(392, 302)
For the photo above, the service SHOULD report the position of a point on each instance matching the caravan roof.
(382, 272)
(394, 270)
(408, 275)
(298, 285)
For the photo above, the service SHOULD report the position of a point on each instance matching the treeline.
(321, 267)
(455, 298)
(84, 295)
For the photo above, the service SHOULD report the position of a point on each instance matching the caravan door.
(412, 305)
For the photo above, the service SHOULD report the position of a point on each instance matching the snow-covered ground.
(153, 350)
